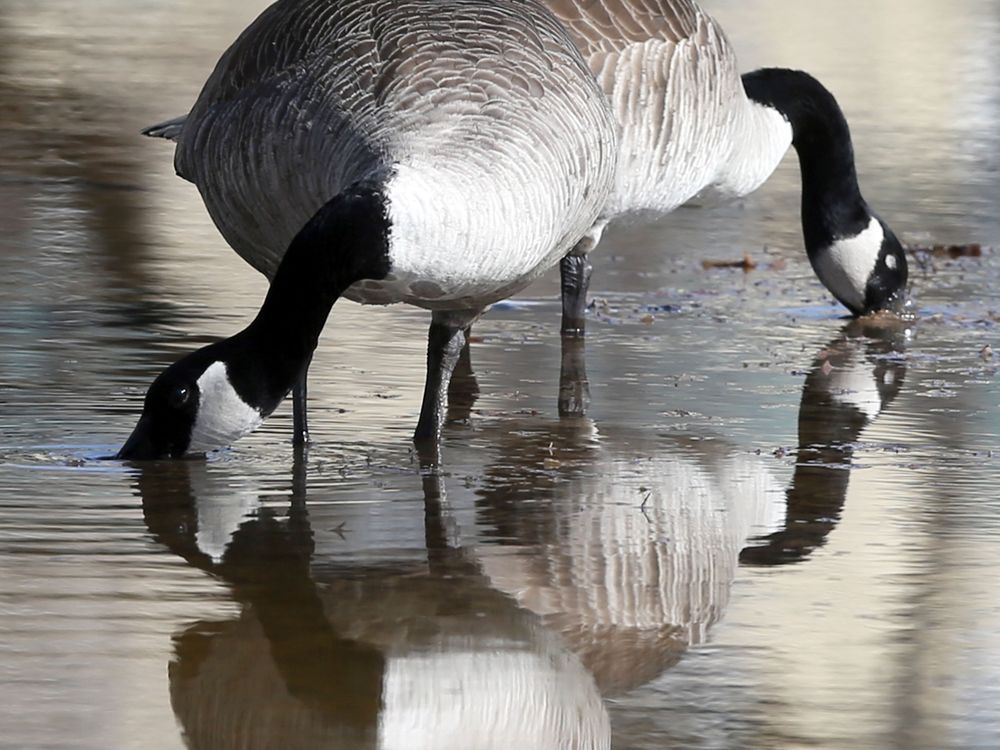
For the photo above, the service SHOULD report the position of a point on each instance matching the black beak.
(139, 446)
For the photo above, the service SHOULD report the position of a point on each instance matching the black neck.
(346, 241)
(832, 205)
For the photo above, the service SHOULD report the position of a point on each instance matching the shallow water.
(775, 529)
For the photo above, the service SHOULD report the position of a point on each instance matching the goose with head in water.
(442, 153)
(692, 127)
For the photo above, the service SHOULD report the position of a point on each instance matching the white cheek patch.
(845, 266)
(223, 417)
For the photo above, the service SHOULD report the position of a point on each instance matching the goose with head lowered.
(442, 153)
(693, 128)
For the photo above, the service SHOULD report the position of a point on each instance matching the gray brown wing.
(673, 83)
(601, 25)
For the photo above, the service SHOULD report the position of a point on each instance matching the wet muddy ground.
(776, 528)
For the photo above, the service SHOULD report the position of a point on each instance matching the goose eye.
(179, 396)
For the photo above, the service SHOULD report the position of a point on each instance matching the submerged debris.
(925, 255)
(747, 264)
(973, 250)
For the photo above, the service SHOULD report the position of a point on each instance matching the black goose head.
(193, 407)
(855, 254)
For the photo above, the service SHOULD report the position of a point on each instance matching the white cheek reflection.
(854, 385)
(223, 506)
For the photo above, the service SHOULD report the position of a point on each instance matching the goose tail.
(171, 129)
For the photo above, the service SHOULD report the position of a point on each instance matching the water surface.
(774, 529)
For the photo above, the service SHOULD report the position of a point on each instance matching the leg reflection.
(463, 390)
(574, 388)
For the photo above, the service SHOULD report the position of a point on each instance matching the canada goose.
(692, 127)
(447, 152)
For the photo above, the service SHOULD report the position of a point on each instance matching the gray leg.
(300, 425)
(574, 272)
(463, 390)
(444, 347)
(574, 388)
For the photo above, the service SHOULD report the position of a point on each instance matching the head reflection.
(852, 381)
(326, 652)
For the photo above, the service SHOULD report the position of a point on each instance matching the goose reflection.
(852, 381)
(417, 653)
(628, 546)
(594, 562)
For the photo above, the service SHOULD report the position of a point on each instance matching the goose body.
(693, 128)
(478, 112)
(687, 126)
(437, 152)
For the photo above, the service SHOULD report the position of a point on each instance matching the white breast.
(502, 200)
(466, 237)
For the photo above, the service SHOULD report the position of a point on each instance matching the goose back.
(675, 89)
(494, 145)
